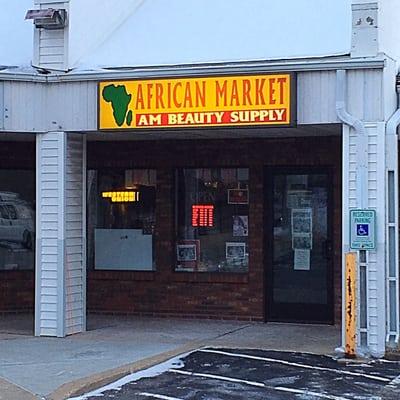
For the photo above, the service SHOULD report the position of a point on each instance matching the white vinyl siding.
(60, 260)
(376, 200)
(51, 45)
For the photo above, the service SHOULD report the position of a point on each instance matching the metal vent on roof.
(49, 18)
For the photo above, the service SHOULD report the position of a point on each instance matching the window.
(121, 219)
(17, 219)
(212, 211)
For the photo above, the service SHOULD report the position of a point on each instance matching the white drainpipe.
(362, 142)
(392, 228)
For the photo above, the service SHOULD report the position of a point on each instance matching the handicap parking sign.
(362, 229)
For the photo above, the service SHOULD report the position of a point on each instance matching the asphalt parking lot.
(222, 374)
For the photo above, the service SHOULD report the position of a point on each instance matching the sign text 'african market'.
(211, 101)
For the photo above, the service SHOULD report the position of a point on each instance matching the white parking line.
(309, 393)
(395, 382)
(298, 365)
(219, 377)
(260, 384)
(158, 396)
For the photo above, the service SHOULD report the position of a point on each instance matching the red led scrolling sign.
(202, 215)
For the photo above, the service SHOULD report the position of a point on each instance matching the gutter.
(391, 130)
(223, 68)
(394, 121)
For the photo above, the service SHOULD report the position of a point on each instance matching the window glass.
(17, 229)
(121, 219)
(12, 211)
(4, 212)
(212, 211)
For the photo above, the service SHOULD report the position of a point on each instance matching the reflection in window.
(121, 219)
(212, 220)
(17, 219)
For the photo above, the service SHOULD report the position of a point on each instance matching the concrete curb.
(87, 384)
(10, 391)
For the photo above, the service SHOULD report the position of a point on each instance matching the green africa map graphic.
(119, 99)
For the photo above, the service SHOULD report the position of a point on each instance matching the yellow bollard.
(350, 297)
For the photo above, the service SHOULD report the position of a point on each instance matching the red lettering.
(149, 94)
(271, 91)
(220, 93)
(188, 96)
(246, 92)
(139, 98)
(169, 95)
(260, 100)
(234, 94)
(282, 82)
(201, 94)
(159, 95)
(175, 97)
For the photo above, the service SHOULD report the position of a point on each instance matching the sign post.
(351, 305)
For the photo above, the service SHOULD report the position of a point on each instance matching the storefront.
(203, 183)
(238, 228)
(216, 228)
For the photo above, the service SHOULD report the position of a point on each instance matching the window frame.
(208, 276)
(90, 266)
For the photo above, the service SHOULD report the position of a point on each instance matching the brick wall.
(210, 295)
(17, 288)
(17, 291)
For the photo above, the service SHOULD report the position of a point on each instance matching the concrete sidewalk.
(54, 368)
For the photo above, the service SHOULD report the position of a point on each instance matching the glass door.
(299, 247)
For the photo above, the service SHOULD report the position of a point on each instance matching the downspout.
(362, 145)
(393, 279)
(341, 110)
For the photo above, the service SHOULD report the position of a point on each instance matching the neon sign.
(202, 215)
(121, 197)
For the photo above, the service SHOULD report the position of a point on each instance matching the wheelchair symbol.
(362, 229)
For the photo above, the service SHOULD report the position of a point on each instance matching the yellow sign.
(196, 102)
(121, 197)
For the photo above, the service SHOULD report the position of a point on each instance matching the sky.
(126, 33)
(16, 34)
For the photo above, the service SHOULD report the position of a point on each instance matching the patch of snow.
(147, 373)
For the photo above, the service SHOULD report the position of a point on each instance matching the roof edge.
(224, 68)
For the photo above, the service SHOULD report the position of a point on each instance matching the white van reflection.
(17, 221)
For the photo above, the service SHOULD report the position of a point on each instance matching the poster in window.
(302, 227)
(301, 221)
(302, 242)
(240, 225)
(238, 196)
(187, 254)
(235, 250)
(298, 198)
(302, 260)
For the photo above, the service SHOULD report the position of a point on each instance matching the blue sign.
(362, 229)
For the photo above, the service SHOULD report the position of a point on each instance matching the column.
(364, 186)
(60, 300)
